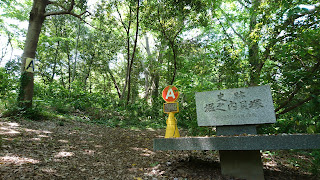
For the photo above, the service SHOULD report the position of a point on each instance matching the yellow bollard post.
(170, 94)
(172, 128)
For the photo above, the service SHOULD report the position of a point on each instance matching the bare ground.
(78, 150)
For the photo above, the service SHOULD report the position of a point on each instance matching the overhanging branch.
(297, 104)
(238, 34)
(299, 85)
(65, 10)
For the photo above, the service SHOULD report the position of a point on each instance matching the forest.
(106, 62)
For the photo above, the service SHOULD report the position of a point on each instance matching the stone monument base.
(242, 164)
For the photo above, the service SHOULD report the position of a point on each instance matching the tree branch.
(297, 104)
(65, 10)
(113, 80)
(225, 33)
(278, 29)
(71, 6)
(134, 50)
(297, 88)
(238, 34)
(124, 25)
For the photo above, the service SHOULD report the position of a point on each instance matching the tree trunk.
(133, 53)
(127, 29)
(145, 70)
(27, 80)
(114, 81)
(156, 79)
(254, 60)
(76, 54)
(174, 61)
(55, 62)
(69, 67)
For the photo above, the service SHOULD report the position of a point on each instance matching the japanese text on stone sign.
(239, 102)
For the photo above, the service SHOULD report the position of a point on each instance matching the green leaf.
(311, 129)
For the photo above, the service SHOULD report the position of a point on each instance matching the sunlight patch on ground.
(268, 160)
(89, 152)
(13, 124)
(9, 128)
(41, 135)
(154, 171)
(4, 130)
(63, 141)
(150, 129)
(17, 160)
(64, 154)
(145, 152)
(48, 170)
(35, 139)
(36, 131)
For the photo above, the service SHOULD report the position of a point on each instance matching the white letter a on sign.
(170, 94)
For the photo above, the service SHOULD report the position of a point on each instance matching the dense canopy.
(117, 56)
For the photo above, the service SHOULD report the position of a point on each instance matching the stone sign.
(240, 106)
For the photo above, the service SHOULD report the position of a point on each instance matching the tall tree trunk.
(156, 79)
(55, 62)
(145, 70)
(76, 54)
(133, 53)
(254, 59)
(114, 81)
(174, 61)
(127, 29)
(27, 78)
(69, 67)
(62, 78)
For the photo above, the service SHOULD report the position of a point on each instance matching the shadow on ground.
(77, 150)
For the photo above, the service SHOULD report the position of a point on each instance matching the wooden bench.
(235, 113)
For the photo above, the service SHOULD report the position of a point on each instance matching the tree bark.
(27, 78)
(174, 62)
(133, 53)
(36, 19)
(114, 81)
(55, 62)
(254, 60)
(127, 29)
(145, 70)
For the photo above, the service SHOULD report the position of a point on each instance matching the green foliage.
(5, 82)
(211, 45)
(8, 85)
(36, 113)
(315, 167)
(82, 69)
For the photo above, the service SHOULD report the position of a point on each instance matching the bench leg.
(244, 164)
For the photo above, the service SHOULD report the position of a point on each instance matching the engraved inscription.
(236, 104)
(251, 105)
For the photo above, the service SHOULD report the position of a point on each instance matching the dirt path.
(76, 150)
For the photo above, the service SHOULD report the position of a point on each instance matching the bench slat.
(260, 142)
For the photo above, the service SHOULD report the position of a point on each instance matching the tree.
(169, 19)
(261, 28)
(130, 57)
(37, 16)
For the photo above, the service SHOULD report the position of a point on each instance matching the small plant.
(154, 164)
(315, 167)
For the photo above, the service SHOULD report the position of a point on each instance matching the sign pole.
(170, 94)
